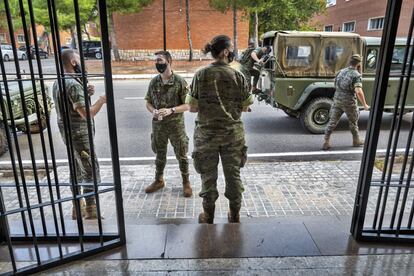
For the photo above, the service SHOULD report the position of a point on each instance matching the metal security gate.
(35, 231)
(384, 204)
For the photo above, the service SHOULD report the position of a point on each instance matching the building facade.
(364, 17)
(138, 35)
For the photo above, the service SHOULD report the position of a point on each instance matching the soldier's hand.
(155, 113)
(102, 99)
(164, 112)
(366, 107)
(91, 89)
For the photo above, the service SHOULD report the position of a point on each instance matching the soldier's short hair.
(166, 54)
(67, 55)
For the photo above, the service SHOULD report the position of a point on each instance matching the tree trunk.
(114, 44)
(256, 29)
(190, 42)
(73, 37)
(235, 33)
(86, 32)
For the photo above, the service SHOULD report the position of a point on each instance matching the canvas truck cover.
(315, 54)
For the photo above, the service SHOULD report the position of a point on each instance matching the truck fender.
(309, 91)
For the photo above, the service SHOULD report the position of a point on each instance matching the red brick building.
(140, 34)
(365, 17)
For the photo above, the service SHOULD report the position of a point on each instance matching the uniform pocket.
(243, 158)
(153, 143)
(203, 163)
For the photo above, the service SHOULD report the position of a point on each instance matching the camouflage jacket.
(346, 81)
(75, 92)
(250, 61)
(167, 95)
(220, 93)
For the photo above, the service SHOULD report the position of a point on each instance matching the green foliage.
(289, 14)
(126, 6)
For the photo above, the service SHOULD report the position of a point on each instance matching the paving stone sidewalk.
(278, 189)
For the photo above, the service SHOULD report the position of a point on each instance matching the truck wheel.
(3, 140)
(315, 115)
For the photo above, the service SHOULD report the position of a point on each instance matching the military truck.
(298, 78)
(16, 107)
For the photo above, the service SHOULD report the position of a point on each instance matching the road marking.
(134, 98)
(251, 155)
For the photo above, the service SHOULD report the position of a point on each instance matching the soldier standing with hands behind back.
(166, 102)
(348, 85)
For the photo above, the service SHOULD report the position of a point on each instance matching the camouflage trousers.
(84, 167)
(350, 108)
(233, 153)
(248, 74)
(173, 131)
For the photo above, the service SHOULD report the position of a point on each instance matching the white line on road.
(134, 98)
(251, 155)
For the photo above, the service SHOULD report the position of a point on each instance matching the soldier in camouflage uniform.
(79, 129)
(219, 94)
(248, 59)
(348, 85)
(166, 102)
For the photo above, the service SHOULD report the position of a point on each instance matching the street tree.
(187, 19)
(123, 7)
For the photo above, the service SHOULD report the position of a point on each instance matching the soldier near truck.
(79, 130)
(248, 59)
(348, 85)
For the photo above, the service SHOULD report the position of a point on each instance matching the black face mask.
(230, 56)
(161, 67)
(77, 68)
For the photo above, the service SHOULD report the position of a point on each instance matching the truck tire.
(3, 140)
(315, 115)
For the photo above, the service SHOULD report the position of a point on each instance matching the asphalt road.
(268, 130)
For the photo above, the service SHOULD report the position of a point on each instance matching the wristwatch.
(173, 110)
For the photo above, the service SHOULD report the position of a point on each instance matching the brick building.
(365, 17)
(138, 35)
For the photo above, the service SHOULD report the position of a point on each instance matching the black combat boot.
(233, 215)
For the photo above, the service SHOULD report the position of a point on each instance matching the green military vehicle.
(298, 77)
(16, 106)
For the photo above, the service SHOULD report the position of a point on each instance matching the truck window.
(333, 52)
(298, 56)
(371, 61)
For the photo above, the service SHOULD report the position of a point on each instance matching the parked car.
(298, 77)
(17, 110)
(7, 51)
(92, 49)
(42, 53)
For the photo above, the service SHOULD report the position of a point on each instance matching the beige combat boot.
(82, 207)
(207, 216)
(326, 144)
(156, 185)
(357, 142)
(90, 211)
(187, 191)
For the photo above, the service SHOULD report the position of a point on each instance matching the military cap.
(356, 57)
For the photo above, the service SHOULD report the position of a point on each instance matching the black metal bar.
(380, 87)
(410, 135)
(9, 140)
(113, 137)
(49, 131)
(91, 132)
(61, 184)
(39, 117)
(164, 24)
(67, 123)
(68, 238)
(26, 195)
(5, 231)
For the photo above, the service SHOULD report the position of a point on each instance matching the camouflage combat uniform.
(79, 131)
(345, 101)
(247, 68)
(220, 93)
(172, 127)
